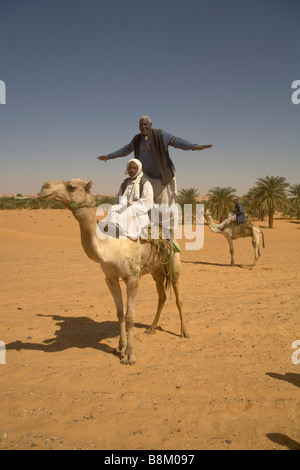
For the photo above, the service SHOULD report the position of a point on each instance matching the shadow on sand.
(289, 377)
(205, 263)
(283, 440)
(279, 438)
(75, 332)
(78, 332)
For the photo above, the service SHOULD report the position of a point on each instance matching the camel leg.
(115, 289)
(231, 248)
(132, 285)
(161, 290)
(255, 243)
(175, 284)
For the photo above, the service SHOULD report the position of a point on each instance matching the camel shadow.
(206, 263)
(75, 332)
(290, 377)
(283, 440)
(279, 438)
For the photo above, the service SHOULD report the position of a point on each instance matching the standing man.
(151, 148)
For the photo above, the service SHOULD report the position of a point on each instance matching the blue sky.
(80, 73)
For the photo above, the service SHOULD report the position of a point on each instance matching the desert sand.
(232, 385)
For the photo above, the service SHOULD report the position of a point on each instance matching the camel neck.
(212, 225)
(86, 217)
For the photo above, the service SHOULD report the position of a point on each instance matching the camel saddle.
(240, 230)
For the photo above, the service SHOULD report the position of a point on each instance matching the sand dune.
(232, 385)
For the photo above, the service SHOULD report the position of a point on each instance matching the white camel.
(231, 234)
(118, 258)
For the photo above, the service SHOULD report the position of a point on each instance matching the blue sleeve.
(176, 142)
(122, 152)
(239, 210)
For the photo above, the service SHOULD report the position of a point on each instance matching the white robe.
(131, 218)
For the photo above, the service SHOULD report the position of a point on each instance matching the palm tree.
(271, 194)
(294, 192)
(220, 201)
(188, 196)
(253, 205)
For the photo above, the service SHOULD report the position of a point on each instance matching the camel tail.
(168, 282)
(169, 249)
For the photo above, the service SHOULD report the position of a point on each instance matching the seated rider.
(238, 215)
(135, 199)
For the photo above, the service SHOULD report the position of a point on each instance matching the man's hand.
(103, 158)
(202, 147)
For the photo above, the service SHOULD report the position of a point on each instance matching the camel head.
(72, 194)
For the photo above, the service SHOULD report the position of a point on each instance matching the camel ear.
(89, 186)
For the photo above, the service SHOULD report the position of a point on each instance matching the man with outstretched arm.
(150, 146)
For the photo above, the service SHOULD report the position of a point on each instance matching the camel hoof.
(128, 360)
(185, 334)
(151, 331)
(120, 352)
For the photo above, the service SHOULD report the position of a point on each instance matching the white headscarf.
(136, 190)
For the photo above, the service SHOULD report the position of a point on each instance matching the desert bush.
(11, 203)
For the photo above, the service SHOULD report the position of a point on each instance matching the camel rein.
(75, 205)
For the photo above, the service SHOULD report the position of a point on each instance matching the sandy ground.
(232, 385)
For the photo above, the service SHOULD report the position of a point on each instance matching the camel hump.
(240, 230)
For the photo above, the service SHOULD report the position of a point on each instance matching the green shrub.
(11, 203)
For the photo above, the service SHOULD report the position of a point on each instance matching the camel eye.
(71, 188)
